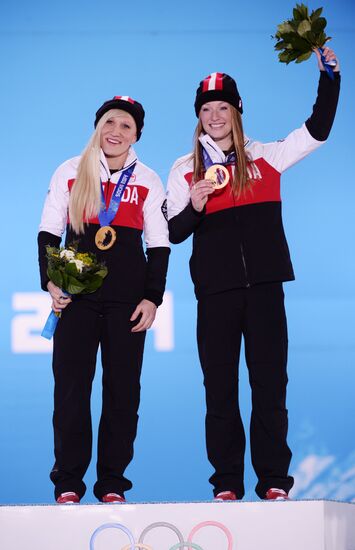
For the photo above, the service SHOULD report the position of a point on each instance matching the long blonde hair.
(85, 196)
(241, 180)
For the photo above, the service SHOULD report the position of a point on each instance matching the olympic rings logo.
(181, 544)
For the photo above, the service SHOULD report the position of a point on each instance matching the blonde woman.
(227, 195)
(104, 200)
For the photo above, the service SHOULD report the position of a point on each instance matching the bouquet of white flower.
(74, 273)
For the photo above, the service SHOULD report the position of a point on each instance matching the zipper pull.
(107, 185)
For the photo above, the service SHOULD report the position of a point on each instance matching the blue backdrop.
(59, 62)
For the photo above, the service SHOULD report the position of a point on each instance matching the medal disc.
(105, 237)
(218, 175)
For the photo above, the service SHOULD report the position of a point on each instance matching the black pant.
(258, 314)
(85, 325)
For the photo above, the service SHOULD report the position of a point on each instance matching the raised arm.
(321, 120)
(298, 144)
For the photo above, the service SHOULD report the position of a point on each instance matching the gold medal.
(105, 237)
(218, 175)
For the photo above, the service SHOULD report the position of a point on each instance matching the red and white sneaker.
(276, 494)
(112, 498)
(225, 495)
(68, 498)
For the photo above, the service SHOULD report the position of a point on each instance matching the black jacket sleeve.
(43, 239)
(184, 224)
(321, 120)
(157, 266)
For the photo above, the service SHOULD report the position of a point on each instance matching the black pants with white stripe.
(257, 314)
(84, 326)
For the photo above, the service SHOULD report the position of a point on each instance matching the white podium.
(277, 525)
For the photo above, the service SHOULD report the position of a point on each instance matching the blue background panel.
(59, 62)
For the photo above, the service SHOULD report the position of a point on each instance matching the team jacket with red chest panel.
(238, 242)
(131, 275)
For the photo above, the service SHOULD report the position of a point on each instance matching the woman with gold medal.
(227, 195)
(105, 199)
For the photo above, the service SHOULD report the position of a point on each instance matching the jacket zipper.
(242, 254)
(245, 265)
(106, 191)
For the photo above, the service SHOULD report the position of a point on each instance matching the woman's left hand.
(148, 311)
(329, 56)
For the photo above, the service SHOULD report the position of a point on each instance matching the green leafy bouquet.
(74, 272)
(298, 37)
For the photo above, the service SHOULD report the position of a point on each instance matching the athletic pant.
(85, 324)
(258, 314)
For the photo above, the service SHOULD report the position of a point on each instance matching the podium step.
(277, 525)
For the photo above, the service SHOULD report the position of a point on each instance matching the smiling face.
(117, 135)
(216, 120)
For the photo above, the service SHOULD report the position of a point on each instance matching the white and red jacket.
(238, 242)
(132, 275)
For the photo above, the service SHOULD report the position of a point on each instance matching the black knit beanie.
(127, 104)
(218, 87)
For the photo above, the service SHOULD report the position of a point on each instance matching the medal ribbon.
(51, 323)
(207, 161)
(106, 215)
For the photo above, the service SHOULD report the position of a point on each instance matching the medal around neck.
(218, 175)
(105, 237)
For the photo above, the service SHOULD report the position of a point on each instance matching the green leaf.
(310, 37)
(50, 250)
(297, 15)
(102, 272)
(316, 13)
(297, 42)
(303, 57)
(55, 276)
(304, 27)
(302, 10)
(92, 285)
(280, 45)
(283, 57)
(74, 286)
(318, 25)
(288, 56)
(292, 55)
(71, 269)
(322, 39)
(284, 27)
(65, 281)
(290, 36)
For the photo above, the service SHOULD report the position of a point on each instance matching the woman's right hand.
(59, 301)
(199, 194)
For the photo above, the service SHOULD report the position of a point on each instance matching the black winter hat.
(218, 87)
(127, 104)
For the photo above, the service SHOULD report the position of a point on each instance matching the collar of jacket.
(215, 153)
(105, 171)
